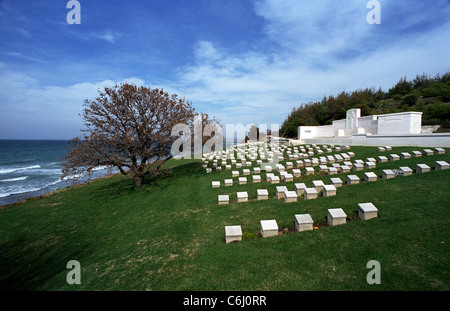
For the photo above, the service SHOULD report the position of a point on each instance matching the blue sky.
(239, 60)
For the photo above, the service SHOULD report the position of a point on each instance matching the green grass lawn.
(169, 234)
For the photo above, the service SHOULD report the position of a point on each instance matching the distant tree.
(422, 81)
(445, 78)
(402, 87)
(127, 127)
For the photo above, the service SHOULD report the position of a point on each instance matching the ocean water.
(29, 168)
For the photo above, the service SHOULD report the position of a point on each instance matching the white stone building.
(396, 129)
(392, 124)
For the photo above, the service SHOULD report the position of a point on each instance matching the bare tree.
(127, 127)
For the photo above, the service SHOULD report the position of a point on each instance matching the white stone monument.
(233, 234)
(223, 199)
(367, 211)
(303, 222)
(262, 194)
(242, 196)
(269, 228)
(336, 216)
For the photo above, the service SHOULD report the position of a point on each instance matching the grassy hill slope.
(169, 234)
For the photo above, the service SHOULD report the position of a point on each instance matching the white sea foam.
(15, 169)
(14, 179)
(49, 171)
(53, 183)
(102, 167)
(20, 190)
(76, 176)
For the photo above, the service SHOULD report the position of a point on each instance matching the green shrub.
(249, 236)
(411, 99)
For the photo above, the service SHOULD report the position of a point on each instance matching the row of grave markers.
(330, 190)
(334, 169)
(260, 155)
(309, 193)
(295, 170)
(335, 216)
(303, 222)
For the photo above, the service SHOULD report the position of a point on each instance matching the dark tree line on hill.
(430, 95)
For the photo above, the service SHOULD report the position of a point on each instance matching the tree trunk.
(138, 180)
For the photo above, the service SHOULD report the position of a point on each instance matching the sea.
(30, 168)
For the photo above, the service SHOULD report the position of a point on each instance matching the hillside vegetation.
(430, 95)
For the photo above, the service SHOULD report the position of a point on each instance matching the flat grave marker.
(367, 211)
(336, 216)
(303, 222)
(233, 234)
(269, 228)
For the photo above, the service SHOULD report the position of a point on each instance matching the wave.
(50, 171)
(26, 190)
(2, 195)
(10, 170)
(76, 176)
(14, 179)
(101, 167)
(53, 183)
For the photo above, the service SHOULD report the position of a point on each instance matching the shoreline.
(56, 191)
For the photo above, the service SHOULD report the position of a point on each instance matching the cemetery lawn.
(168, 235)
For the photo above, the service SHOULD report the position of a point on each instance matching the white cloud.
(306, 50)
(322, 48)
(107, 35)
(23, 56)
(205, 51)
(314, 27)
(30, 110)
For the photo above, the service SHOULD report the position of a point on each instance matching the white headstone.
(262, 194)
(336, 182)
(370, 176)
(388, 174)
(318, 184)
(242, 196)
(367, 211)
(336, 216)
(441, 165)
(310, 193)
(422, 168)
(223, 199)
(405, 171)
(352, 180)
(290, 196)
(242, 180)
(233, 233)
(280, 191)
(303, 222)
(299, 188)
(329, 190)
(269, 228)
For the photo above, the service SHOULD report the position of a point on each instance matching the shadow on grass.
(123, 185)
(28, 265)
